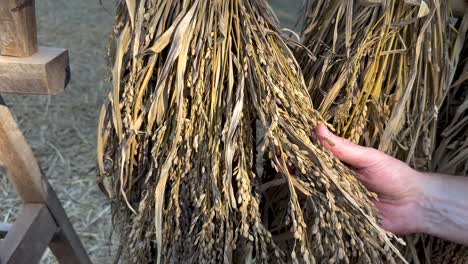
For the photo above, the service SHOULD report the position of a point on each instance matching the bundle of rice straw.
(383, 71)
(451, 156)
(176, 151)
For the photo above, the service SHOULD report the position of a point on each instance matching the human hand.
(401, 200)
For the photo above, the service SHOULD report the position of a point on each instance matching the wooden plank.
(19, 162)
(26, 242)
(66, 245)
(4, 228)
(45, 72)
(18, 35)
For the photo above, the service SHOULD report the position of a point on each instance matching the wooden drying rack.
(25, 68)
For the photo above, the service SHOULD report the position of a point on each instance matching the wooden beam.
(19, 162)
(45, 72)
(23, 172)
(18, 35)
(32, 232)
(66, 245)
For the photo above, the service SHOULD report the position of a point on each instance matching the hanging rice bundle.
(451, 155)
(383, 71)
(194, 81)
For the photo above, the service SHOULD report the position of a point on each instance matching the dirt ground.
(62, 128)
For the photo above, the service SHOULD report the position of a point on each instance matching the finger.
(352, 154)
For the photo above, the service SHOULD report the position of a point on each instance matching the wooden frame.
(47, 72)
(18, 28)
(29, 237)
(42, 222)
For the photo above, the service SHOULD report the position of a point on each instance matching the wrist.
(427, 191)
(444, 211)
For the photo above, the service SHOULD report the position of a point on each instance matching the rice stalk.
(176, 149)
(383, 71)
(451, 153)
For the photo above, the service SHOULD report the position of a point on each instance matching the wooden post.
(18, 160)
(18, 28)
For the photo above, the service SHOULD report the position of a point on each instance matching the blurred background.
(62, 128)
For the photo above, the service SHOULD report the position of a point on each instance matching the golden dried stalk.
(451, 155)
(176, 150)
(395, 59)
(382, 73)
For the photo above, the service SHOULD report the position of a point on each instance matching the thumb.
(346, 151)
